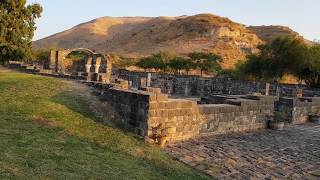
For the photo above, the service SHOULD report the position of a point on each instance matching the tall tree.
(309, 70)
(285, 55)
(17, 26)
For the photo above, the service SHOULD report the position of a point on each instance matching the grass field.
(48, 131)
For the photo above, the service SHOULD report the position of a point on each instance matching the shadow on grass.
(82, 105)
(118, 140)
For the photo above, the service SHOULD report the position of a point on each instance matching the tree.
(180, 63)
(78, 55)
(207, 62)
(285, 55)
(41, 56)
(257, 67)
(152, 62)
(17, 26)
(166, 57)
(309, 70)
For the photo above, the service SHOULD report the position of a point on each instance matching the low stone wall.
(237, 114)
(298, 110)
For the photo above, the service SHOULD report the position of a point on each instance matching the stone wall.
(143, 110)
(182, 119)
(236, 114)
(132, 108)
(198, 86)
(298, 110)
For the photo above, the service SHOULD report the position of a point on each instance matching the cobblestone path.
(293, 153)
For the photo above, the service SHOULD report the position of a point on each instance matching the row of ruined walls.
(182, 119)
(199, 86)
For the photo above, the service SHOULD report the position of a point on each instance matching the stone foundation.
(182, 119)
(236, 114)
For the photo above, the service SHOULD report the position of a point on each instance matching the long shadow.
(81, 104)
(76, 103)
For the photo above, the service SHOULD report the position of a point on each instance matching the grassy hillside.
(48, 131)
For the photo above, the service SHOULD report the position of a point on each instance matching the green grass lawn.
(47, 131)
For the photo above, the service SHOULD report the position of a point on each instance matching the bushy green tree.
(207, 62)
(285, 55)
(78, 55)
(257, 67)
(181, 63)
(41, 56)
(17, 26)
(152, 62)
(309, 69)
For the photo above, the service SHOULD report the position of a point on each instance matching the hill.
(141, 36)
(269, 33)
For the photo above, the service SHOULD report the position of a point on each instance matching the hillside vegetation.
(134, 37)
(48, 131)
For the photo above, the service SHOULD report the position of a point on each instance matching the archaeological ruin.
(95, 67)
(183, 107)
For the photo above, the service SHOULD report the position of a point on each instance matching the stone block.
(162, 97)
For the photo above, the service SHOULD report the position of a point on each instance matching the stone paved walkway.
(290, 154)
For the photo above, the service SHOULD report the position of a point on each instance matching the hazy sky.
(301, 15)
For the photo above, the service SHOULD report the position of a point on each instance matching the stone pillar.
(88, 65)
(299, 92)
(149, 80)
(109, 67)
(97, 65)
(186, 90)
(278, 91)
(53, 60)
(267, 89)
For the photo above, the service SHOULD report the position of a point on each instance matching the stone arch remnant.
(97, 66)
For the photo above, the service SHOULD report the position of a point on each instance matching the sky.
(300, 15)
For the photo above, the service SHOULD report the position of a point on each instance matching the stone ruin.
(183, 107)
(96, 67)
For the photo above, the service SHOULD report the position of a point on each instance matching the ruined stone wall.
(198, 86)
(298, 110)
(182, 119)
(143, 110)
(179, 119)
(131, 108)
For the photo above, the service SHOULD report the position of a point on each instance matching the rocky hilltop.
(141, 36)
(269, 33)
